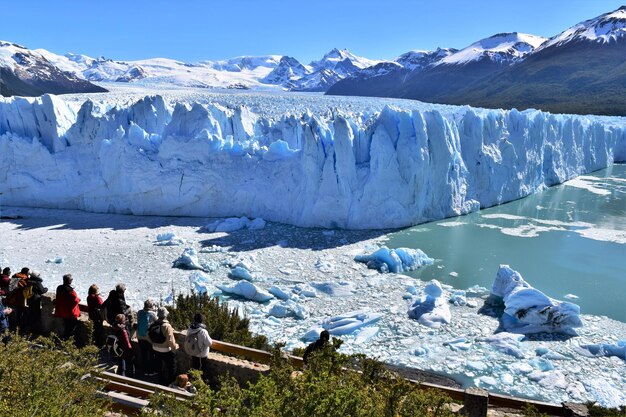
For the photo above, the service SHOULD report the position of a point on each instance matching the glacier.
(334, 164)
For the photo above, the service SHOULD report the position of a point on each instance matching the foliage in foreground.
(47, 380)
(325, 389)
(222, 323)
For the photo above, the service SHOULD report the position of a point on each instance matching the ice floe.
(395, 260)
(430, 308)
(246, 290)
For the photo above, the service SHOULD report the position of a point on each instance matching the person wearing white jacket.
(197, 344)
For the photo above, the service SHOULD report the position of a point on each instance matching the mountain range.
(580, 70)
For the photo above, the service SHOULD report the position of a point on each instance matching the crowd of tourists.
(20, 310)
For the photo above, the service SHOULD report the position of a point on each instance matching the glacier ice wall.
(333, 168)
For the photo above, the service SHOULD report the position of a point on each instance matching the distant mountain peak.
(606, 28)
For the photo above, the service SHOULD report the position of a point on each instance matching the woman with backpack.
(94, 305)
(198, 343)
(18, 293)
(34, 302)
(145, 318)
(124, 350)
(161, 334)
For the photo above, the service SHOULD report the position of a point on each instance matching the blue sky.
(194, 30)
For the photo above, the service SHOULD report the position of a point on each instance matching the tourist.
(319, 345)
(94, 305)
(34, 302)
(18, 292)
(161, 334)
(182, 383)
(197, 344)
(4, 322)
(67, 306)
(5, 278)
(125, 365)
(145, 318)
(116, 304)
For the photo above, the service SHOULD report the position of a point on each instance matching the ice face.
(528, 310)
(364, 165)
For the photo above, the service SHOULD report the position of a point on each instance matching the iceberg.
(246, 290)
(430, 308)
(169, 239)
(188, 260)
(240, 272)
(288, 308)
(528, 310)
(355, 164)
(617, 349)
(350, 322)
(505, 342)
(395, 260)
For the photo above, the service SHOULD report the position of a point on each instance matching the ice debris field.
(241, 162)
(320, 161)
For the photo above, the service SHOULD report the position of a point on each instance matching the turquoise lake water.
(567, 240)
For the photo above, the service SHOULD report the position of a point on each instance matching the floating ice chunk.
(188, 260)
(458, 298)
(257, 224)
(460, 343)
(521, 368)
(200, 282)
(312, 334)
(546, 353)
(476, 291)
(541, 364)
(486, 380)
(169, 239)
(421, 351)
(507, 379)
(334, 289)
(571, 297)
(528, 310)
(324, 266)
(272, 321)
(349, 322)
(57, 260)
(278, 293)
(395, 260)
(288, 308)
(366, 334)
(505, 342)
(247, 290)
(304, 290)
(454, 274)
(431, 309)
(549, 379)
(603, 391)
(477, 365)
(240, 272)
(232, 224)
(605, 349)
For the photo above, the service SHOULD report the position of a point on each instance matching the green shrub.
(222, 323)
(334, 385)
(42, 380)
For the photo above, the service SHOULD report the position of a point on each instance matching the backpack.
(27, 292)
(13, 283)
(155, 333)
(113, 346)
(192, 344)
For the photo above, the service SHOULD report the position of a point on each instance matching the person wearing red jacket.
(5, 278)
(67, 306)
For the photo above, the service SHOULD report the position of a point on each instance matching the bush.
(42, 380)
(334, 385)
(222, 323)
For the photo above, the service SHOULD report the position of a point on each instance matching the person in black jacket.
(34, 302)
(319, 345)
(116, 304)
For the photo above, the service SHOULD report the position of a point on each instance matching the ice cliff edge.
(344, 169)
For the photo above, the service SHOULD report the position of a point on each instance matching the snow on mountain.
(331, 163)
(288, 70)
(606, 28)
(29, 73)
(334, 66)
(415, 60)
(502, 48)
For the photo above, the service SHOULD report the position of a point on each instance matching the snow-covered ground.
(316, 270)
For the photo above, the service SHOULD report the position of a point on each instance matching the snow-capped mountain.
(286, 72)
(579, 70)
(413, 60)
(28, 73)
(606, 28)
(502, 48)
